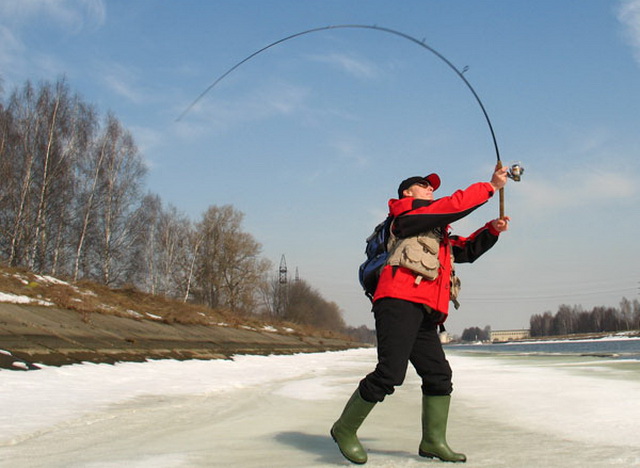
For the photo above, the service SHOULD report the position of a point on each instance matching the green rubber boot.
(344, 429)
(435, 413)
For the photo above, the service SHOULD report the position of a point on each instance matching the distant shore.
(31, 335)
(554, 338)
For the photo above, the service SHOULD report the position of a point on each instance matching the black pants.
(406, 332)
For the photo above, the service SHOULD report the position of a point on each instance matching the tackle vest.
(420, 254)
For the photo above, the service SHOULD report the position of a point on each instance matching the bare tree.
(119, 183)
(144, 270)
(8, 142)
(194, 242)
(271, 298)
(229, 270)
(20, 162)
(174, 263)
(43, 134)
(307, 306)
(89, 169)
(163, 250)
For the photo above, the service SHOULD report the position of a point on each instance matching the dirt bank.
(31, 334)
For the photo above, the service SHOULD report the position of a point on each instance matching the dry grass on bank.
(88, 298)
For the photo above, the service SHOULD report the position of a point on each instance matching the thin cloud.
(121, 81)
(10, 45)
(18, 17)
(148, 139)
(264, 103)
(351, 151)
(127, 82)
(353, 66)
(580, 189)
(629, 16)
(72, 16)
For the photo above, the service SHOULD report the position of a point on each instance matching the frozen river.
(276, 412)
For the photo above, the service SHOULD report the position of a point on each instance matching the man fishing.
(411, 302)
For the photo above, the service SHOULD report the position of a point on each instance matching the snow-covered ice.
(276, 411)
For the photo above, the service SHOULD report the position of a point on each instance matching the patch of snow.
(50, 280)
(19, 277)
(15, 299)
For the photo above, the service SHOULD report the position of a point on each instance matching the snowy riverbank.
(275, 411)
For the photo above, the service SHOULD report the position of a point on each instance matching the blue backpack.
(376, 251)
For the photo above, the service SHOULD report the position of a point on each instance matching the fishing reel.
(515, 172)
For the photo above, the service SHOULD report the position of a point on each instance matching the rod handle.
(499, 166)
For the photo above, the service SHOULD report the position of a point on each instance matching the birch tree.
(119, 184)
(69, 123)
(42, 134)
(20, 161)
(162, 253)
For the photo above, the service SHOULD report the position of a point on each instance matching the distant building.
(445, 337)
(509, 335)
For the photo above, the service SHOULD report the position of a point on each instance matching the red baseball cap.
(432, 179)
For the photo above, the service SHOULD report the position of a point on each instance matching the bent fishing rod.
(515, 171)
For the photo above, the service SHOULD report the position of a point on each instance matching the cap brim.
(434, 180)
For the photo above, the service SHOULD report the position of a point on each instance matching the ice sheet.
(275, 411)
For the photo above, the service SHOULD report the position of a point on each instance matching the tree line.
(574, 319)
(570, 320)
(473, 334)
(73, 204)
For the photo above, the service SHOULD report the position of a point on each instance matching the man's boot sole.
(433, 455)
(343, 454)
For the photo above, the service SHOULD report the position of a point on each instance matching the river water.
(610, 347)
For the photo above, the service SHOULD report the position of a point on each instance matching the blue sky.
(311, 138)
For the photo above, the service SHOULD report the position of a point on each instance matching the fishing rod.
(515, 171)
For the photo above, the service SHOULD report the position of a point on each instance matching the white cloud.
(629, 16)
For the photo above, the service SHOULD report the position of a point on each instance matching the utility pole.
(282, 271)
(282, 291)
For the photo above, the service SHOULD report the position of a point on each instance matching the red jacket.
(413, 216)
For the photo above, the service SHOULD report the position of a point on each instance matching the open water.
(611, 348)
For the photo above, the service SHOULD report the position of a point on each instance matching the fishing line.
(394, 32)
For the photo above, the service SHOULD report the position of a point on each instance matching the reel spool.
(515, 172)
